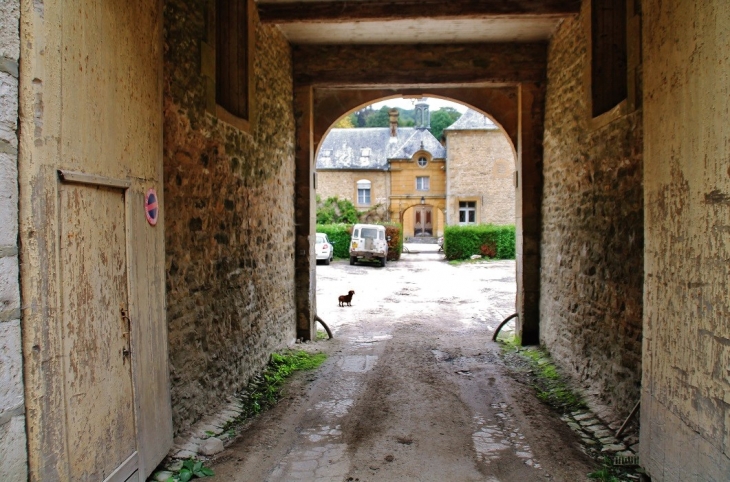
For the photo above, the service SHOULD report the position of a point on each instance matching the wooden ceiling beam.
(384, 10)
(443, 64)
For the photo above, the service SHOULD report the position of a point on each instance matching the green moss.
(550, 385)
(264, 390)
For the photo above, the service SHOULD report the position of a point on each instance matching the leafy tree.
(379, 118)
(443, 118)
(345, 123)
(335, 210)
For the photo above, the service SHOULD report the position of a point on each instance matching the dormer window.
(365, 155)
(422, 161)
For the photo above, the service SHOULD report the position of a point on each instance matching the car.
(368, 242)
(323, 248)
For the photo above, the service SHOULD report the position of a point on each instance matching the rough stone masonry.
(592, 233)
(12, 410)
(230, 224)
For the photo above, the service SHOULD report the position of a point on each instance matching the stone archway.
(517, 108)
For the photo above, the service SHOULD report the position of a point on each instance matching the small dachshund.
(346, 299)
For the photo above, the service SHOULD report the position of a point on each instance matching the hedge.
(488, 240)
(340, 235)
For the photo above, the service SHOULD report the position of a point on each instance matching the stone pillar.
(305, 216)
(13, 455)
(528, 200)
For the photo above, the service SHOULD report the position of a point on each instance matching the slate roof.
(421, 139)
(370, 148)
(472, 120)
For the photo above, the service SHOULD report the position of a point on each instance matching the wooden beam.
(378, 65)
(384, 10)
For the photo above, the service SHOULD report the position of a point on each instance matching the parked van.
(368, 242)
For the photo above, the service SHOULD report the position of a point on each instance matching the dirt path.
(413, 390)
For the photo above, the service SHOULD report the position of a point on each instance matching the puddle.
(358, 363)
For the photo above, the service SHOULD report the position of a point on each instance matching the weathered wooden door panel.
(99, 400)
(92, 103)
(149, 334)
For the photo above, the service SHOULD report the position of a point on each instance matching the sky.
(434, 104)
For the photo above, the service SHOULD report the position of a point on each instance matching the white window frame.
(423, 183)
(467, 209)
(424, 163)
(364, 188)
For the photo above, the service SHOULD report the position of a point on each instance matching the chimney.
(423, 116)
(393, 114)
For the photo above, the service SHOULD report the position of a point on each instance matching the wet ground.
(414, 388)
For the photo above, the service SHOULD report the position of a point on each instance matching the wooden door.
(97, 379)
(94, 277)
(424, 221)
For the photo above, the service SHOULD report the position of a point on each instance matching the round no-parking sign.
(151, 207)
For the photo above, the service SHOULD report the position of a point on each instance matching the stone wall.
(592, 231)
(229, 229)
(480, 167)
(343, 184)
(685, 403)
(13, 465)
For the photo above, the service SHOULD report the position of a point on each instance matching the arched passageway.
(515, 108)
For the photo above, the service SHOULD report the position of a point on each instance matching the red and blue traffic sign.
(151, 207)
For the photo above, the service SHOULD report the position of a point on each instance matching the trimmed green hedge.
(488, 240)
(340, 235)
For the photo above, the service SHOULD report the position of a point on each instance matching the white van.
(368, 242)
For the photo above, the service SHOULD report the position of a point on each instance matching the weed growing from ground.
(190, 469)
(607, 473)
(552, 388)
(264, 391)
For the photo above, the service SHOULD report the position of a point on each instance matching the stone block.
(11, 366)
(211, 446)
(13, 455)
(8, 201)
(9, 109)
(10, 29)
(9, 290)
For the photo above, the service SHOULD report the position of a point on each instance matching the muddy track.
(413, 389)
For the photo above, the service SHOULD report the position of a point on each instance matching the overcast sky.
(434, 104)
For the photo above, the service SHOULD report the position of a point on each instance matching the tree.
(344, 123)
(335, 210)
(443, 118)
(379, 118)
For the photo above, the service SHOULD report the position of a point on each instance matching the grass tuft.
(264, 391)
(551, 387)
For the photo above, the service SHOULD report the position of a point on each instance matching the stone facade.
(685, 402)
(13, 459)
(230, 224)
(592, 231)
(343, 184)
(481, 165)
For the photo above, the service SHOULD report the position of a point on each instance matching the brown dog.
(346, 299)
